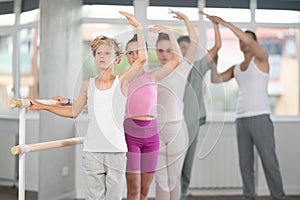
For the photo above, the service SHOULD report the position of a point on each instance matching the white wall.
(60, 61)
(9, 127)
(8, 137)
(288, 152)
(287, 137)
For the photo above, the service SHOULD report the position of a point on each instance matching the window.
(27, 55)
(6, 79)
(230, 14)
(7, 19)
(276, 16)
(105, 11)
(30, 16)
(162, 13)
(29, 62)
(282, 45)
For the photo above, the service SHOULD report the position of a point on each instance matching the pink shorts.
(143, 145)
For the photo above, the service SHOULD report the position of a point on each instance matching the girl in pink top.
(140, 124)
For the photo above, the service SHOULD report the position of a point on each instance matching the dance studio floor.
(11, 193)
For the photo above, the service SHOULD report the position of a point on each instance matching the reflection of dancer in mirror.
(140, 123)
(104, 146)
(194, 108)
(173, 130)
(253, 123)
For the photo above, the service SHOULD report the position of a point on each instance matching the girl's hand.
(61, 100)
(35, 105)
(159, 29)
(178, 15)
(217, 20)
(214, 19)
(131, 19)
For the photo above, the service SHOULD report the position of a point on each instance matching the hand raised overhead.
(131, 19)
(160, 29)
(178, 15)
(214, 19)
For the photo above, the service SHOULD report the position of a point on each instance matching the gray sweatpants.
(258, 131)
(104, 175)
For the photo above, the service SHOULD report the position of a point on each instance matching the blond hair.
(100, 40)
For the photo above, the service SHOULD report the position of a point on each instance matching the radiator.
(216, 159)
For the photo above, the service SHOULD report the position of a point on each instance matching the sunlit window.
(29, 62)
(105, 11)
(282, 45)
(230, 14)
(277, 16)
(7, 19)
(30, 16)
(6, 80)
(162, 13)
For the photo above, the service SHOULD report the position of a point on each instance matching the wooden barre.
(22, 103)
(45, 145)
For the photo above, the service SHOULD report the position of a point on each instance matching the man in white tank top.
(253, 123)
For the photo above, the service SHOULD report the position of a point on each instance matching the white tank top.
(253, 97)
(106, 110)
(170, 94)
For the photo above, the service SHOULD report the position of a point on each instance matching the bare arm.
(132, 72)
(223, 77)
(213, 52)
(142, 50)
(258, 52)
(70, 112)
(213, 55)
(192, 50)
(165, 70)
(63, 101)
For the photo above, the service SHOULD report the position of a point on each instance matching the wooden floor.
(236, 198)
(11, 193)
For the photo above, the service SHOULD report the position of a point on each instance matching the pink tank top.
(141, 97)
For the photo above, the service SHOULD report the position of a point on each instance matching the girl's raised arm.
(166, 69)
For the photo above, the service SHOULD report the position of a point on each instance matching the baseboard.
(69, 195)
(215, 192)
(8, 183)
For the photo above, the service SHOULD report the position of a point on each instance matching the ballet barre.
(24, 103)
(45, 145)
(22, 148)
